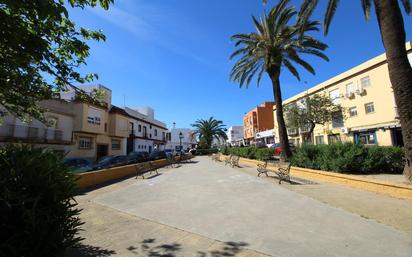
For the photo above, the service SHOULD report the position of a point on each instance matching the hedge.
(250, 152)
(206, 151)
(350, 158)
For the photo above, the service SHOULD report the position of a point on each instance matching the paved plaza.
(206, 209)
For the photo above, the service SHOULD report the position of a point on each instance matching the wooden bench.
(262, 168)
(216, 157)
(145, 167)
(228, 160)
(234, 162)
(284, 173)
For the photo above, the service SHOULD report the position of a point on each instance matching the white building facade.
(146, 133)
(181, 137)
(235, 135)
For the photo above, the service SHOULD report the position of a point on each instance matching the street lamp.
(180, 137)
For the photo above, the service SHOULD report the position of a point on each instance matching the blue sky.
(173, 55)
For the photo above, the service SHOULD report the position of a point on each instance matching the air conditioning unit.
(349, 95)
(361, 91)
(344, 130)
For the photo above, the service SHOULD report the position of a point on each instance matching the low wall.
(94, 178)
(388, 188)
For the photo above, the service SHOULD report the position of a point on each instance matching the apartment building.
(56, 132)
(235, 135)
(79, 128)
(147, 133)
(258, 119)
(366, 94)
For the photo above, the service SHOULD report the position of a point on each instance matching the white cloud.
(154, 24)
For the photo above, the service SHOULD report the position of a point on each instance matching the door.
(102, 150)
(130, 144)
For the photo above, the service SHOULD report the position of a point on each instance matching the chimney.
(174, 125)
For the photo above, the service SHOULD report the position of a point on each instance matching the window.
(334, 138)
(93, 116)
(140, 128)
(319, 140)
(353, 112)
(155, 132)
(335, 96)
(138, 147)
(349, 88)
(337, 120)
(365, 82)
(367, 137)
(85, 143)
(116, 144)
(369, 108)
(105, 127)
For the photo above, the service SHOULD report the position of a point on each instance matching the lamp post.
(180, 137)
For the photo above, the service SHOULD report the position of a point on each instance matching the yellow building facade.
(370, 113)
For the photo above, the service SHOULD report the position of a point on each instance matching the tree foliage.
(279, 42)
(40, 51)
(308, 6)
(317, 109)
(39, 216)
(207, 130)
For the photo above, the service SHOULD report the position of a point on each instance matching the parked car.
(278, 149)
(157, 155)
(78, 165)
(110, 161)
(169, 152)
(135, 157)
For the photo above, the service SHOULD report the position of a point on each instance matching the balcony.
(23, 133)
(292, 131)
(305, 129)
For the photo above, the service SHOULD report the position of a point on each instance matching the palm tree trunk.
(283, 135)
(400, 72)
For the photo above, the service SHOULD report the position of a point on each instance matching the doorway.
(102, 150)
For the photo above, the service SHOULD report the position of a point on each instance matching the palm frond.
(366, 6)
(407, 6)
(330, 12)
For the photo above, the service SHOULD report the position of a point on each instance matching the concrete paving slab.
(220, 203)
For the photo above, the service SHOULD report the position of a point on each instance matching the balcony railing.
(14, 132)
(305, 129)
(292, 131)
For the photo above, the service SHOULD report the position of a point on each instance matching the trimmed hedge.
(250, 152)
(350, 158)
(206, 151)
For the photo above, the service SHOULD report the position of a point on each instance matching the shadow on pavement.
(149, 248)
(89, 251)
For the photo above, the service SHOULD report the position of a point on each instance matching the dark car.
(78, 165)
(157, 155)
(135, 157)
(110, 161)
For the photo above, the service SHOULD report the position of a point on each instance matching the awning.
(375, 126)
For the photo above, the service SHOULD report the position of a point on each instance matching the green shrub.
(250, 152)
(37, 209)
(206, 151)
(350, 158)
(384, 159)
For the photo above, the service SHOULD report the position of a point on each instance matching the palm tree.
(276, 44)
(393, 36)
(207, 130)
